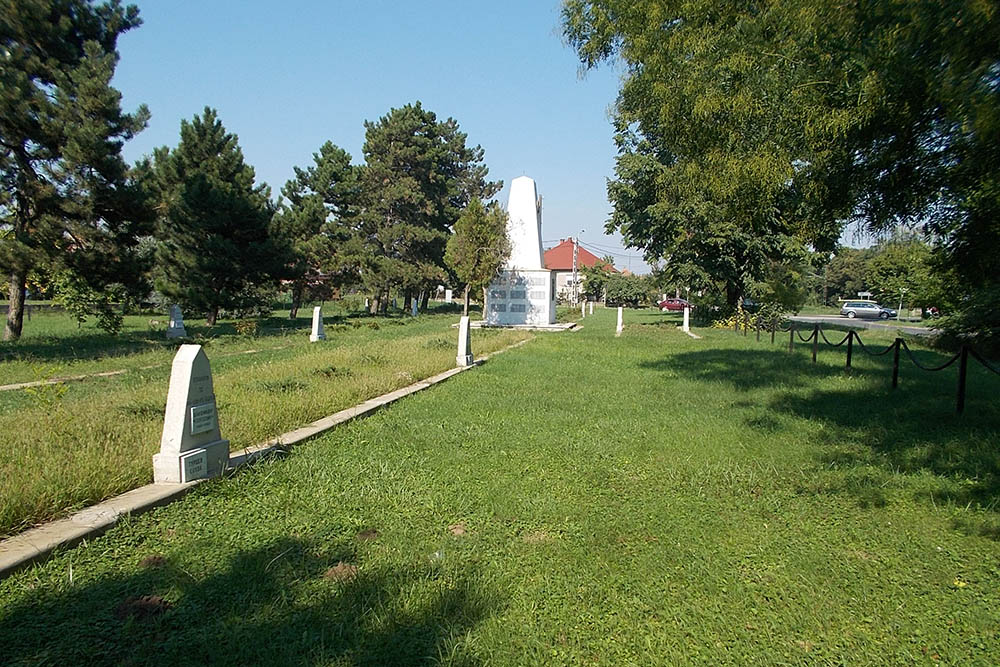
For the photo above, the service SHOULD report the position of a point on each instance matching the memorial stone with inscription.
(524, 293)
(317, 326)
(464, 357)
(192, 446)
(175, 327)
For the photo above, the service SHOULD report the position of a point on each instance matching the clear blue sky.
(286, 78)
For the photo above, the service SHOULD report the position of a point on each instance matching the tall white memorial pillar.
(317, 333)
(524, 292)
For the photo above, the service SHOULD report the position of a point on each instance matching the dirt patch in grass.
(143, 608)
(153, 561)
(341, 572)
(457, 529)
(536, 537)
(368, 534)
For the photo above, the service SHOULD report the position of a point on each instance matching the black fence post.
(746, 324)
(736, 323)
(774, 326)
(791, 337)
(815, 341)
(850, 346)
(757, 327)
(895, 363)
(963, 363)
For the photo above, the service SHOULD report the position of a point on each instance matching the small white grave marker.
(192, 446)
(175, 329)
(448, 294)
(687, 314)
(583, 306)
(464, 357)
(591, 307)
(618, 330)
(413, 307)
(317, 329)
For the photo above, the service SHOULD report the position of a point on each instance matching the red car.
(674, 304)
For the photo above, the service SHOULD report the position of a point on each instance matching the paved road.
(889, 325)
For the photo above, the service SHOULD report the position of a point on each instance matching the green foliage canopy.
(68, 202)
(479, 247)
(215, 245)
(418, 176)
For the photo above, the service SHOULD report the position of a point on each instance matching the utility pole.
(576, 252)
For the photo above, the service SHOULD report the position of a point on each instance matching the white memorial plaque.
(194, 465)
(202, 418)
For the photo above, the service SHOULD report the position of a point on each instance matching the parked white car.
(866, 309)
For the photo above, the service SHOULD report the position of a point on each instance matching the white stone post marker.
(175, 328)
(414, 307)
(317, 330)
(192, 446)
(591, 307)
(583, 312)
(687, 314)
(448, 294)
(618, 331)
(464, 357)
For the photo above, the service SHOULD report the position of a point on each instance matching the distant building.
(559, 260)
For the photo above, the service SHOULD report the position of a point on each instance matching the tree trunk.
(15, 311)
(297, 290)
(213, 315)
(373, 305)
(465, 311)
(407, 301)
(425, 299)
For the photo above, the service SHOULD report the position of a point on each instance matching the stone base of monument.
(558, 326)
(207, 461)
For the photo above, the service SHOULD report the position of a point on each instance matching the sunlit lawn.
(584, 499)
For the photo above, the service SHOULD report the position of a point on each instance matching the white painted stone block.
(687, 314)
(192, 446)
(414, 307)
(618, 330)
(591, 307)
(583, 309)
(464, 357)
(317, 326)
(175, 328)
(448, 294)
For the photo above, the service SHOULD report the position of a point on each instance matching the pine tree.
(214, 239)
(315, 223)
(69, 205)
(418, 176)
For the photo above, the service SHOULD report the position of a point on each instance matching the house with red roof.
(559, 260)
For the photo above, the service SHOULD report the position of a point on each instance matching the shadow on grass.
(284, 604)
(870, 430)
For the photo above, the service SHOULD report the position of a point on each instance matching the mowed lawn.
(583, 499)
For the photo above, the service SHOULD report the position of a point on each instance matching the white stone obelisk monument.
(175, 327)
(686, 327)
(618, 329)
(464, 357)
(591, 307)
(317, 328)
(524, 292)
(192, 446)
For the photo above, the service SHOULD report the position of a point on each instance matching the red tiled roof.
(560, 258)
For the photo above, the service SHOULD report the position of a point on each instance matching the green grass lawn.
(584, 499)
(69, 445)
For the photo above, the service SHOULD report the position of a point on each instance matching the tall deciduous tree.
(418, 176)
(68, 202)
(316, 223)
(742, 123)
(214, 239)
(479, 247)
